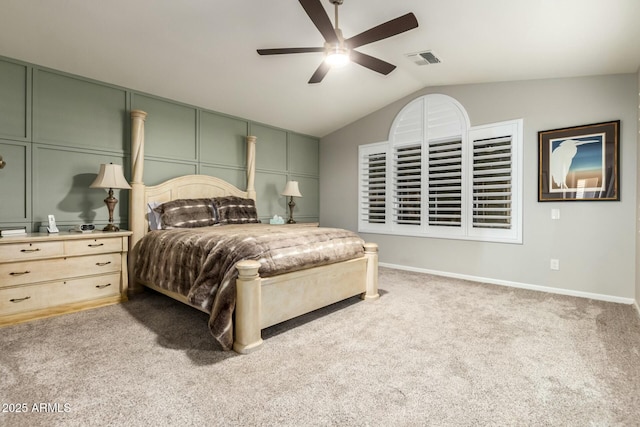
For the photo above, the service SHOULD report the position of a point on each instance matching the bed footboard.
(263, 302)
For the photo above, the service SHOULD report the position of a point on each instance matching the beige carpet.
(430, 352)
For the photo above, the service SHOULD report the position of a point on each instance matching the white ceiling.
(202, 52)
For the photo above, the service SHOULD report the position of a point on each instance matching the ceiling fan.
(339, 50)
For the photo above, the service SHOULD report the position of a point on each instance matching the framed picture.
(579, 163)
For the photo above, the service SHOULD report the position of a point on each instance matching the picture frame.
(579, 163)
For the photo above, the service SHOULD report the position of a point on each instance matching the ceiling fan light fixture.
(337, 56)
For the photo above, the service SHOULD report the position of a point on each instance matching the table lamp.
(110, 176)
(291, 190)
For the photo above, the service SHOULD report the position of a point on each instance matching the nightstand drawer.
(27, 251)
(51, 294)
(92, 246)
(20, 273)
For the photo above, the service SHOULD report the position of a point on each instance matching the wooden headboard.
(183, 187)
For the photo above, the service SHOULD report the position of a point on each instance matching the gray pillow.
(187, 213)
(235, 210)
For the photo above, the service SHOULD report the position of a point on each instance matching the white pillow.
(155, 223)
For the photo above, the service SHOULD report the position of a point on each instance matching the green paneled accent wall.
(61, 179)
(170, 128)
(222, 140)
(156, 171)
(14, 100)
(302, 163)
(271, 148)
(78, 113)
(307, 206)
(237, 177)
(15, 182)
(269, 202)
(56, 129)
(303, 154)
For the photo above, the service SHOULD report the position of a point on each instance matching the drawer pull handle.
(101, 264)
(30, 250)
(103, 286)
(96, 245)
(16, 300)
(19, 273)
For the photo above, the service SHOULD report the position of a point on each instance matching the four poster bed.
(246, 276)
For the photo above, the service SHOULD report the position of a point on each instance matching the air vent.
(423, 58)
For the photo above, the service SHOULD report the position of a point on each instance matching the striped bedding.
(199, 263)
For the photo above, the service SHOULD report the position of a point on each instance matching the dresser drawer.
(27, 251)
(51, 294)
(92, 246)
(19, 273)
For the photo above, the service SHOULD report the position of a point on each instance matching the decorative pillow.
(235, 210)
(186, 213)
(153, 216)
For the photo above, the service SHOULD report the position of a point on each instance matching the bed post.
(136, 202)
(248, 336)
(371, 253)
(251, 167)
(136, 196)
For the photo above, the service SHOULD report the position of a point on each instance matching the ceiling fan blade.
(286, 50)
(372, 63)
(390, 28)
(321, 20)
(322, 71)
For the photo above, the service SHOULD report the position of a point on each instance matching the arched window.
(438, 177)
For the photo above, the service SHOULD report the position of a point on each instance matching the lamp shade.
(291, 189)
(110, 176)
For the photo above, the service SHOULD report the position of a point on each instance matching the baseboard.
(637, 308)
(569, 292)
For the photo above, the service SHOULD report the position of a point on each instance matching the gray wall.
(56, 129)
(594, 241)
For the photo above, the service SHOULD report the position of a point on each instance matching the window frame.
(414, 130)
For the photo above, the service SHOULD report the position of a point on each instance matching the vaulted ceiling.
(203, 52)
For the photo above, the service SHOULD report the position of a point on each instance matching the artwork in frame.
(579, 163)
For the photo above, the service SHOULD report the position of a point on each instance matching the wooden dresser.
(43, 275)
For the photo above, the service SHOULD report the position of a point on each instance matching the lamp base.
(111, 227)
(111, 202)
(292, 205)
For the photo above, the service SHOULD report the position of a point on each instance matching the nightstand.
(43, 275)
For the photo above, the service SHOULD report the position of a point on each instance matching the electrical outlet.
(555, 264)
(555, 213)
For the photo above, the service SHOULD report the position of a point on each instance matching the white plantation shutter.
(438, 177)
(373, 185)
(407, 185)
(445, 183)
(496, 182)
(492, 183)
